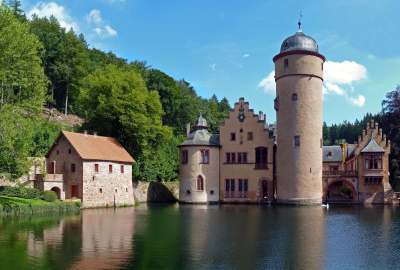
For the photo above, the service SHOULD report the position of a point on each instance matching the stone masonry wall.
(156, 192)
(105, 188)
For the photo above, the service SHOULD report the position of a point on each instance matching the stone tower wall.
(299, 168)
(189, 172)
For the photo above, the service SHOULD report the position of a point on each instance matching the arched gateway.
(334, 191)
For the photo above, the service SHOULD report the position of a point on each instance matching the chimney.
(265, 118)
(260, 115)
(95, 134)
(187, 129)
(85, 133)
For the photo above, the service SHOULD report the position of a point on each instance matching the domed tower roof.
(299, 42)
(200, 123)
(200, 135)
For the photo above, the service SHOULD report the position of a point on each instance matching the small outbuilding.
(95, 169)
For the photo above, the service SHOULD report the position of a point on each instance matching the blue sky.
(226, 46)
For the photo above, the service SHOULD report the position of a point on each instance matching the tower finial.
(300, 19)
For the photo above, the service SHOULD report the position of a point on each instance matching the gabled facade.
(95, 169)
(364, 168)
(246, 156)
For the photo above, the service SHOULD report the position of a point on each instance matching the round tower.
(199, 165)
(298, 105)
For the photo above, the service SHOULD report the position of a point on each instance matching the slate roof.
(337, 154)
(373, 147)
(202, 137)
(90, 147)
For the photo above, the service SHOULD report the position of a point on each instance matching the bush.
(48, 196)
(1, 209)
(347, 191)
(10, 191)
(31, 193)
(20, 192)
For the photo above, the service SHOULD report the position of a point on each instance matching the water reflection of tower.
(298, 105)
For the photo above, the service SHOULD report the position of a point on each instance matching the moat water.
(173, 236)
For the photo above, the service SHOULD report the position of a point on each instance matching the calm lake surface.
(173, 236)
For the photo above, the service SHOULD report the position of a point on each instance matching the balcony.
(261, 166)
(236, 194)
(339, 174)
(50, 177)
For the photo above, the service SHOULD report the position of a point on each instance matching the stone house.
(95, 169)
(363, 167)
(235, 166)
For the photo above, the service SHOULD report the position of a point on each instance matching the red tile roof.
(91, 147)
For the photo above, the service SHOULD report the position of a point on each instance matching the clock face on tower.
(241, 113)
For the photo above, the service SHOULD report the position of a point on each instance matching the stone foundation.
(299, 201)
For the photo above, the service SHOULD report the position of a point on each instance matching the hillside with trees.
(47, 66)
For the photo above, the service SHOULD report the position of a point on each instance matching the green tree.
(22, 92)
(116, 103)
(22, 79)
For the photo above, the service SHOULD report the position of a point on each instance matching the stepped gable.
(373, 147)
(93, 147)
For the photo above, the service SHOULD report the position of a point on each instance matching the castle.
(253, 162)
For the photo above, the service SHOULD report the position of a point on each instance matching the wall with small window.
(105, 180)
(199, 182)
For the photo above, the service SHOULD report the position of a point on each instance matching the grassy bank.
(13, 205)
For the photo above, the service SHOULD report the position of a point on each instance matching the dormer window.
(329, 154)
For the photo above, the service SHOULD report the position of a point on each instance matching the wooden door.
(75, 191)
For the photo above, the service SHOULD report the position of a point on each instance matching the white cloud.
(371, 56)
(213, 66)
(102, 30)
(344, 73)
(268, 84)
(105, 32)
(331, 87)
(338, 78)
(49, 9)
(246, 55)
(358, 101)
(94, 17)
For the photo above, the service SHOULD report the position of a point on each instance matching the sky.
(225, 47)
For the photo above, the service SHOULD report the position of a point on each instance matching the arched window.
(200, 183)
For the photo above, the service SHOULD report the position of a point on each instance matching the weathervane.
(300, 19)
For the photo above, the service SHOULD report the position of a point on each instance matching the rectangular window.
(184, 157)
(72, 167)
(228, 158)
(262, 157)
(373, 162)
(294, 97)
(240, 185)
(240, 158)
(122, 168)
(110, 168)
(204, 157)
(96, 168)
(233, 136)
(232, 185)
(250, 136)
(286, 63)
(233, 157)
(296, 141)
(244, 157)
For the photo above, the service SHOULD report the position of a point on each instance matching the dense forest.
(44, 64)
